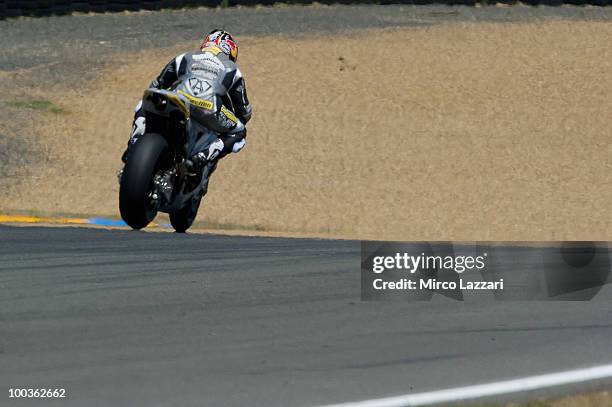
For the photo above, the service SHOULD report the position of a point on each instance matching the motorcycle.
(156, 177)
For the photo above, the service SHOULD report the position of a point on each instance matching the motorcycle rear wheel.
(146, 158)
(182, 219)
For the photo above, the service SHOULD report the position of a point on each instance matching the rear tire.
(145, 159)
(182, 219)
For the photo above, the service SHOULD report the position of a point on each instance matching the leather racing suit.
(210, 76)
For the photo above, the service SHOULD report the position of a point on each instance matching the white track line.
(487, 389)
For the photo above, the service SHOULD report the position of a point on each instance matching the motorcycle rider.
(212, 69)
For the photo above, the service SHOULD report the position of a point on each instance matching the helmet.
(222, 40)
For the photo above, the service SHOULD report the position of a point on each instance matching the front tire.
(182, 219)
(145, 159)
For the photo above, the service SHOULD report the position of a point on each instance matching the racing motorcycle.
(156, 176)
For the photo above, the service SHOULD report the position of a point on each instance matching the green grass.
(42, 105)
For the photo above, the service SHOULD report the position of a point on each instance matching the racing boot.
(138, 129)
(196, 163)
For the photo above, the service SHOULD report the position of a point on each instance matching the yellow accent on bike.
(206, 104)
(229, 114)
(148, 94)
(180, 104)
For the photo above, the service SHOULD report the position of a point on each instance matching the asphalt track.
(152, 318)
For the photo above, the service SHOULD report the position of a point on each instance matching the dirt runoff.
(459, 132)
(600, 399)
